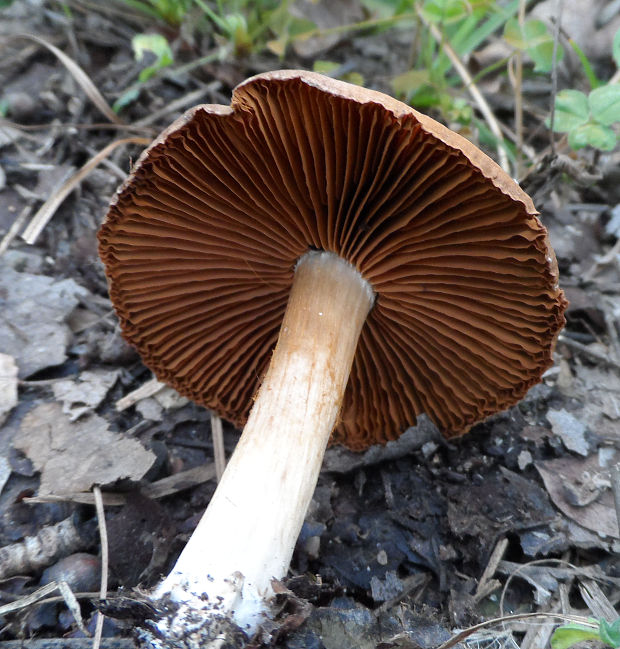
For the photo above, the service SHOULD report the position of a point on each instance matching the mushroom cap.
(200, 245)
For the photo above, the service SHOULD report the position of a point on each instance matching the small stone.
(81, 571)
(312, 546)
(428, 449)
(150, 409)
(565, 377)
(570, 430)
(447, 553)
(21, 106)
(606, 456)
(382, 558)
(170, 399)
(524, 459)
(384, 589)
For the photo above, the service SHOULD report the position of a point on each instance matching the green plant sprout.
(430, 83)
(157, 45)
(171, 12)
(570, 634)
(534, 39)
(332, 68)
(590, 120)
(247, 27)
(142, 43)
(233, 27)
(244, 27)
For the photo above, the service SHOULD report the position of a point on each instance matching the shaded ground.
(397, 549)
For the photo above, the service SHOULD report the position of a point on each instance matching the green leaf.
(235, 30)
(444, 11)
(534, 38)
(407, 82)
(514, 35)
(570, 634)
(610, 633)
(156, 44)
(426, 97)
(355, 78)
(605, 104)
(325, 67)
(386, 8)
(458, 111)
(288, 28)
(493, 20)
(172, 11)
(594, 135)
(297, 27)
(616, 48)
(571, 110)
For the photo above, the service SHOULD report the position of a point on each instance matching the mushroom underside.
(201, 245)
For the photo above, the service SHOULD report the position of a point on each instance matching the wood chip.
(164, 487)
(148, 389)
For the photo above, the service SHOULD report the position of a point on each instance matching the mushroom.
(318, 260)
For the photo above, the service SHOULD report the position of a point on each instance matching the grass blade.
(80, 76)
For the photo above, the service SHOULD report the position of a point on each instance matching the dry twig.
(554, 70)
(148, 389)
(597, 601)
(462, 635)
(41, 594)
(218, 445)
(158, 489)
(67, 643)
(16, 226)
(41, 550)
(486, 585)
(537, 635)
(103, 534)
(518, 87)
(189, 99)
(584, 349)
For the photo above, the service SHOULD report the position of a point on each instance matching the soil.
(403, 544)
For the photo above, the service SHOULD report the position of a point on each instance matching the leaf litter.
(33, 318)
(83, 394)
(73, 456)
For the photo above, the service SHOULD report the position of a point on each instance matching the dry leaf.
(32, 319)
(568, 479)
(85, 393)
(73, 457)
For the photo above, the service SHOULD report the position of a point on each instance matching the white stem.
(247, 535)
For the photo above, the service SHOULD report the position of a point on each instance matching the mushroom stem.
(247, 534)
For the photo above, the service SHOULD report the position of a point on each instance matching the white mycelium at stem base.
(247, 535)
